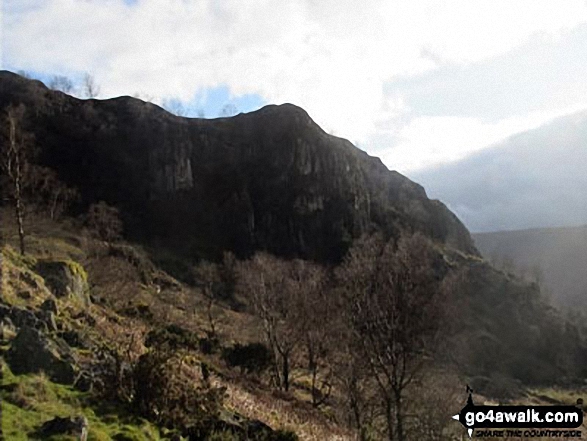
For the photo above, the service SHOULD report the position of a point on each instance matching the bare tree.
(51, 194)
(105, 221)
(16, 152)
(61, 83)
(229, 110)
(175, 106)
(393, 302)
(208, 275)
(265, 282)
(228, 276)
(90, 87)
(309, 284)
(24, 74)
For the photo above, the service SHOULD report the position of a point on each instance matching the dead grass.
(283, 413)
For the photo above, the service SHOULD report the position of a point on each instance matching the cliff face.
(270, 179)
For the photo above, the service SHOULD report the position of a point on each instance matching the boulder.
(21, 317)
(7, 330)
(85, 317)
(241, 427)
(49, 305)
(25, 294)
(32, 352)
(73, 338)
(48, 318)
(76, 426)
(84, 382)
(65, 279)
(30, 279)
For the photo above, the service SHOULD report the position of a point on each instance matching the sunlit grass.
(30, 400)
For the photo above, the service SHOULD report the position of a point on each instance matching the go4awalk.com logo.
(520, 421)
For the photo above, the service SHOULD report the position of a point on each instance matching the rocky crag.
(270, 179)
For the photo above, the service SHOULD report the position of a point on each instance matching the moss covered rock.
(65, 278)
(33, 352)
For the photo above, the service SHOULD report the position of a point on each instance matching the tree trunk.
(210, 315)
(389, 419)
(356, 410)
(54, 205)
(16, 176)
(285, 371)
(19, 220)
(314, 388)
(399, 418)
(313, 368)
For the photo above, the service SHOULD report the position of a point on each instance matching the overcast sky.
(419, 83)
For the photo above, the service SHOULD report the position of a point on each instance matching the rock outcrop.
(32, 351)
(271, 179)
(65, 279)
(19, 317)
(75, 426)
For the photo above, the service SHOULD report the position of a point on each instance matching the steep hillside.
(79, 320)
(270, 179)
(125, 310)
(556, 257)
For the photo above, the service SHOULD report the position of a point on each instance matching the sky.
(420, 83)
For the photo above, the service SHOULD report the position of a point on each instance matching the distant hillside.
(557, 256)
(534, 179)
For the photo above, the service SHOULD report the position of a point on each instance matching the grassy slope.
(30, 400)
(121, 286)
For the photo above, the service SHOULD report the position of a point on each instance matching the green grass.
(54, 248)
(30, 400)
(14, 268)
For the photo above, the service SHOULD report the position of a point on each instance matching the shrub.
(173, 336)
(284, 435)
(104, 220)
(166, 394)
(224, 435)
(250, 358)
(209, 345)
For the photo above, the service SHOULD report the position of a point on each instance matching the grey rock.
(32, 352)
(242, 427)
(63, 281)
(7, 329)
(76, 426)
(73, 339)
(25, 295)
(27, 278)
(85, 317)
(270, 179)
(48, 318)
(84, 382)
(4, 311)
(21, 317)
(49, 305)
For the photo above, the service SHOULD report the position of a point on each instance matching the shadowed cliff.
(270, 179)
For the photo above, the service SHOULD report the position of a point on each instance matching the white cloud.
(430, 141)
(331, 57)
